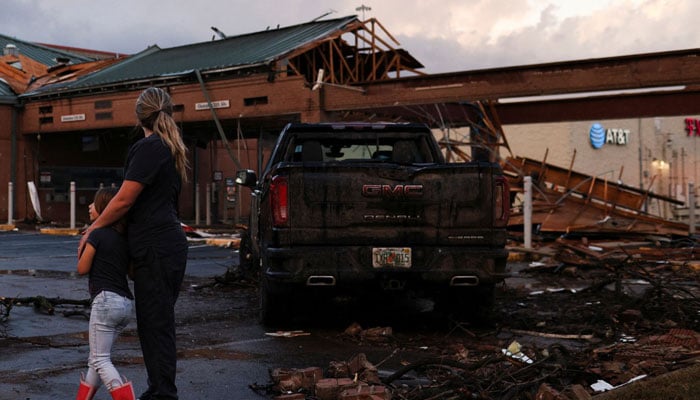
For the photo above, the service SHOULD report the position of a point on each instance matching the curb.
(60, 231)
(228, 243)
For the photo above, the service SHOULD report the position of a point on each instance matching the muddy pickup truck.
(364, 209)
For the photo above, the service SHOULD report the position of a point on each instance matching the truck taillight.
(279, 201)
(501, 200)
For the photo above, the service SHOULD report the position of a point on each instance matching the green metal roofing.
(235, 52)
(6, 93)
(42, 54)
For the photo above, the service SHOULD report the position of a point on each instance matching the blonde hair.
(154, 110)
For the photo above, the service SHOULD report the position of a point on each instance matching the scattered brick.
(329, 388)
(546, 392)
(291, 396)
(309, 377)
(365, 392)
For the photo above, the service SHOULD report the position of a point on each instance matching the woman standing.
(156, 166)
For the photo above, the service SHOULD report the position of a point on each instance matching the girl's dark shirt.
(110, 264)
(153, 219)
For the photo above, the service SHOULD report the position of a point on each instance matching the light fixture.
(659, 164)
(319, 82)
(319, 79)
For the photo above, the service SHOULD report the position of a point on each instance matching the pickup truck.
(360, 208)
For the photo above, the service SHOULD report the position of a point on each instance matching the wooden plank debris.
(566, 201)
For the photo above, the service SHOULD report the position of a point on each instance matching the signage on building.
(45, 177)
(692, 126)
(214, 104)
(600, 136)
(72, 117)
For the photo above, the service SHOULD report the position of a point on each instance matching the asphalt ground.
(43, 355)
(223, 352)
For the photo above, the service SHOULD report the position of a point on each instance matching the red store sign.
(692, 126)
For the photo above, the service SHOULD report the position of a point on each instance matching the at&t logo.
(600, 136)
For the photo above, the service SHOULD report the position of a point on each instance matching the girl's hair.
(154, 110)
(102, 198)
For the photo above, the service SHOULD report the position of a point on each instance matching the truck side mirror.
(246, 177)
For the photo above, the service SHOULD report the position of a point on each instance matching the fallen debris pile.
(475, 369)
(568, 201)
(596, 325)
(43, 305)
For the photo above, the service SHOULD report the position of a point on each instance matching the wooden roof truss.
(362, 52)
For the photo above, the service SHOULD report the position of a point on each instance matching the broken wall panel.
(577, 214)
(612, 192)
(568, 201)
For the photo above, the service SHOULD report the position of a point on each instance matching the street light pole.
(363, 8)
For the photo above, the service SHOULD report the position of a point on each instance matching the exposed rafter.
(362, 52)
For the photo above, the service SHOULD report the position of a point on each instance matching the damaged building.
(66, 114)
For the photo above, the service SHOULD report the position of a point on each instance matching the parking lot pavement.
(222, 349)
(42, 355)
(224, 353)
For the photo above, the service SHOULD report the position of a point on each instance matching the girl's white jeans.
(109, 316)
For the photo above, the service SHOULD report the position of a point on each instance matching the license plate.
(397, 257)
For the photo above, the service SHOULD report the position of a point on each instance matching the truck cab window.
(405, 152)
(311, 151)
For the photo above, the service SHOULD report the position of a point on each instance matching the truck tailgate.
(390, 205)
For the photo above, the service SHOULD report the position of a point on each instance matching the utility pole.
(363, 8)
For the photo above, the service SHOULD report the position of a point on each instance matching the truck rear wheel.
(247, 261)
(468, 304)
(273, 308)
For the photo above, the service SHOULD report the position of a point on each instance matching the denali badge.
(392, 192)
(466, 237)
(390, 218)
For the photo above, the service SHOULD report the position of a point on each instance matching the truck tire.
(273, 308)
(247, 261)
(469, 304)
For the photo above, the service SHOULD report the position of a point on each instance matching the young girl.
(106, 258)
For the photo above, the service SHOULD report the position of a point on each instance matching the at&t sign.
(600, 136)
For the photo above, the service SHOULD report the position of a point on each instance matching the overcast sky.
(445, 35)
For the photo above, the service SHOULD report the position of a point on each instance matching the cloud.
(620, 29)
(450, 35)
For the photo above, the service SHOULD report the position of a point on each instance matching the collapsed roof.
(350, 51)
